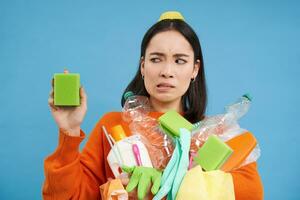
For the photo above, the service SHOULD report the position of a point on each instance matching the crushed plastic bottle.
(220, 124)
(136, 107)
(159, 145)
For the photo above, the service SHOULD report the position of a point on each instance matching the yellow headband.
(171, 15)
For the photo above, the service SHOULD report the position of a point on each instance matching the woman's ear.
(142, 63)
(196, 68)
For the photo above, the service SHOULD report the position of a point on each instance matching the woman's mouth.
(163, 87)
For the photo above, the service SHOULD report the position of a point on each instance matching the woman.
(171, 74)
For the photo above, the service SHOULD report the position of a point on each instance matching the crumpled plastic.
(225, 126)
(159, 145)
(113, 190)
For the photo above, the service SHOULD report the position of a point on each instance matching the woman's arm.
(247, 183)
(73, 175)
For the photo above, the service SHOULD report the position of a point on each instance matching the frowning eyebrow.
(175, 55)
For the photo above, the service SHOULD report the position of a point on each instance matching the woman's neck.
(163, 107)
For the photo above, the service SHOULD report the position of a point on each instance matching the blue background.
(249, 46)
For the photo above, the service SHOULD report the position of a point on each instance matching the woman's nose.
(167, 71)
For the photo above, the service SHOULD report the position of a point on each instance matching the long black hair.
(195, 99)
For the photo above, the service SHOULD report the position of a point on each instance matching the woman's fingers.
(51, 100)
(83, 97)
(124, 181)
(51, 94)
(51, 104)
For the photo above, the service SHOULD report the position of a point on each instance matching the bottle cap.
(66, 71)
(118, 133)
(128, 94)
(248, 96)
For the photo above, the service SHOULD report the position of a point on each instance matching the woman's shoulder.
(111, 117)
(112, 114)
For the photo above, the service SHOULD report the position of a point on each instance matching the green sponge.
(171, 122)
(66, 89)
(213, 153)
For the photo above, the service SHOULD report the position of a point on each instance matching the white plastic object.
(124, 149)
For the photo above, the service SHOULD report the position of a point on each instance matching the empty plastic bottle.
(219, 124)
(135, 111)
(136, 107)
(240, 107)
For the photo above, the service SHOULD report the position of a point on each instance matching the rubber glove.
(176, 168)
(185, 141)
(141, 178)
(169, 173)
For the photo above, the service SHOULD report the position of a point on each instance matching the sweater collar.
(156, 115)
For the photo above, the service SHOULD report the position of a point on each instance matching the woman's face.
(168, 67)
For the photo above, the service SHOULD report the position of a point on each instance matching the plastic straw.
(111, 145)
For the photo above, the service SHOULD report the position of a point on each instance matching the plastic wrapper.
(225, 126)
(253, 156)
(113, 189)
(219, 124)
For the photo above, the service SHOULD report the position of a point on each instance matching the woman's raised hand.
(68, 118)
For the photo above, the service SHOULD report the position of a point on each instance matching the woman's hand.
(69, 119)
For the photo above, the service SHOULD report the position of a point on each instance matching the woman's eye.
(180, 61)
(155, 60)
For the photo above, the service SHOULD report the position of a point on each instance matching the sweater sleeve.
(247, 183)
(70, 174)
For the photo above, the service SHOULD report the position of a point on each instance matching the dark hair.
(195, 99)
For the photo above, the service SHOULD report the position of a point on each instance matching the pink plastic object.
(192, 155)
(137, 154)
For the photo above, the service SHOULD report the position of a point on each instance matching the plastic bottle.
(240, 107)
(118, 133)
(159, 145)
(136, 107)
(220, 124)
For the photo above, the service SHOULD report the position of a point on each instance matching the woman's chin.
(165, 97)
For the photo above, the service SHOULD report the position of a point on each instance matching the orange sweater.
(74, 175)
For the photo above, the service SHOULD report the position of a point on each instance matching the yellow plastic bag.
(211, 185)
